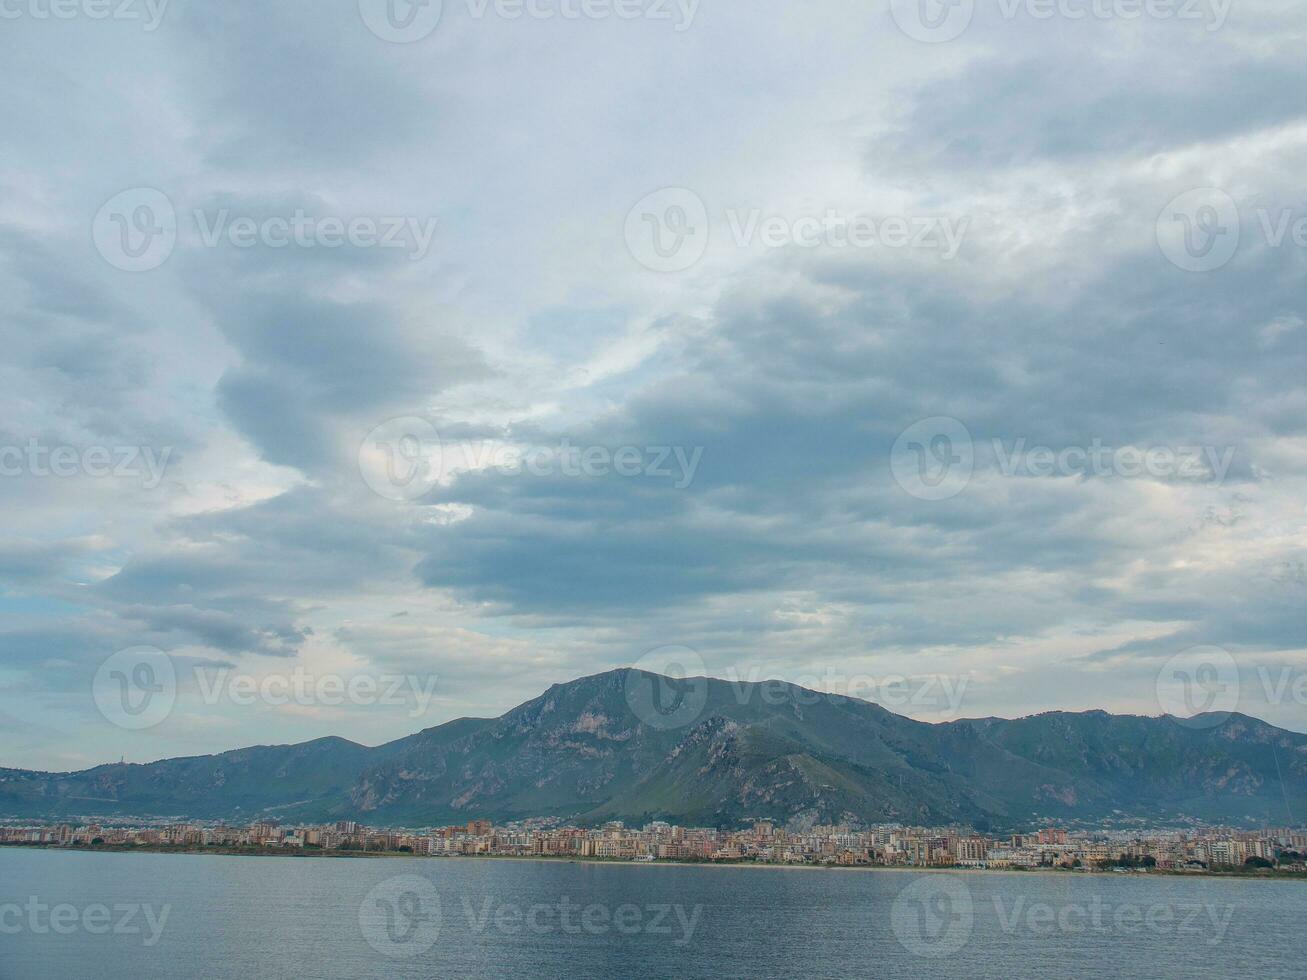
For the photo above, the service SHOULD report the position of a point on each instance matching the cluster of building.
(763, 841)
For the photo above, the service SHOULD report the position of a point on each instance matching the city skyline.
(1191, 848)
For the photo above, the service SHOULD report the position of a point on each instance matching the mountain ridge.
(627, 744)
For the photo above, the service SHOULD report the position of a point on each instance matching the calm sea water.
(70, 915)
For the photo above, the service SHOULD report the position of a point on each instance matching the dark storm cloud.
(797, 405)
(997, 113)
(316, 373)
(49, 287)
(297, 85)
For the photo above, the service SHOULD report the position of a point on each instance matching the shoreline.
(661, 862)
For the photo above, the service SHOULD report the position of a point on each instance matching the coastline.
(292, 853)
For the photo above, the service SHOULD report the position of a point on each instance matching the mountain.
(635, 746)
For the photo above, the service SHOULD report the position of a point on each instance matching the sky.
(371, 366)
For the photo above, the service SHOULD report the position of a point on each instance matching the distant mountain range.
(635, 746)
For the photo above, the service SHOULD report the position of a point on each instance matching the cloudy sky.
(487, 346)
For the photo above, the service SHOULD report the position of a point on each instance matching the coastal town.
(886, 845)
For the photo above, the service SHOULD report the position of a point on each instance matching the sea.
(70, 914)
